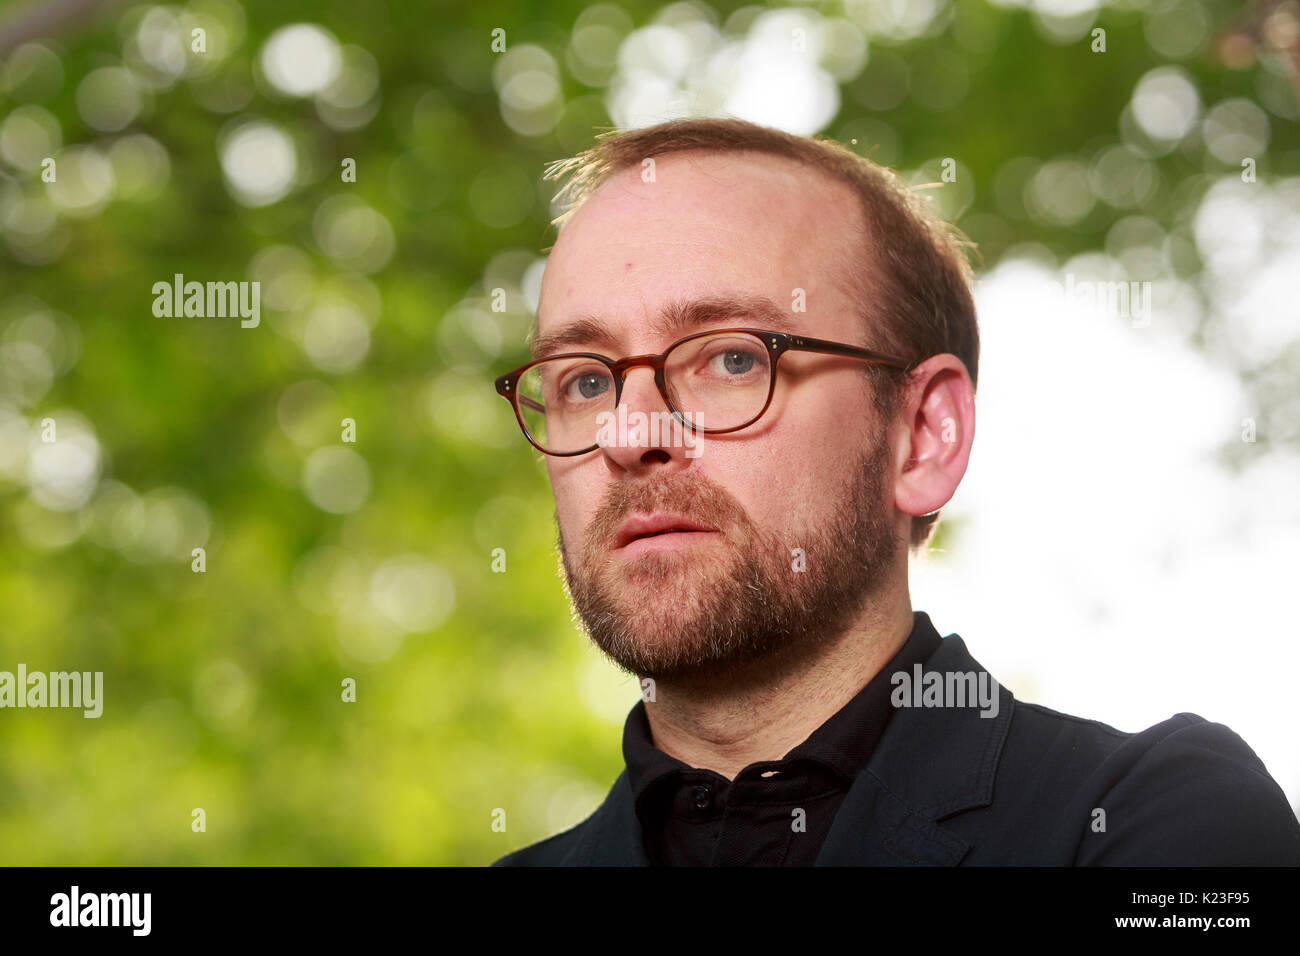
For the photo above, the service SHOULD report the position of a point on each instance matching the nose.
(645, 434)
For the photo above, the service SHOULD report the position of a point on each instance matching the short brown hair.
(921, 280)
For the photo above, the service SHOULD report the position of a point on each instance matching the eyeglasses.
(712, 382)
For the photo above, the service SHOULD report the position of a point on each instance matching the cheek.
(762, 474)
(815, 443)
(577, 496)
(780, 495)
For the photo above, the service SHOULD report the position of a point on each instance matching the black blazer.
(947, 787)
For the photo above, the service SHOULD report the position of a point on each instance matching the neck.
(767, 716)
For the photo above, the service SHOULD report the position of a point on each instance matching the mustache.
(691, 496)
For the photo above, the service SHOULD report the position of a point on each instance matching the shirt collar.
(844, 743)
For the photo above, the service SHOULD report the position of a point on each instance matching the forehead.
(704, 224)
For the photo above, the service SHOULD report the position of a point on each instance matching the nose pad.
(642, 427)
(640, 399)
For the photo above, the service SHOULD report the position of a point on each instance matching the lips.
(642, 526)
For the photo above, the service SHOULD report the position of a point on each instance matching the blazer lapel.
(612, 837)
(931, 762)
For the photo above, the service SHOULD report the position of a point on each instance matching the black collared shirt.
(775, 812)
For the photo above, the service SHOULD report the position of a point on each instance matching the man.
(754, 380)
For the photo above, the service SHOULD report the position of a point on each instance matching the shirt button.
(703, 797)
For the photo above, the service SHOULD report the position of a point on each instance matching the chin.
(671, 584)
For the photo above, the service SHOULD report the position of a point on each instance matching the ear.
(934, 431)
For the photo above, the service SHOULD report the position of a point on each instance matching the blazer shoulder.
(1045, 719)
(1191, 792)
(1045, 742)
(1081, 749)
(553, 851)
(610, 836)
(1183, 792)
(557, 850)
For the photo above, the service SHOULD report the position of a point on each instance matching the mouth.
(662, 529)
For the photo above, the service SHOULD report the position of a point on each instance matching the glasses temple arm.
(803, 344)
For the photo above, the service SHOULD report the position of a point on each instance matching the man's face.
(794, 516)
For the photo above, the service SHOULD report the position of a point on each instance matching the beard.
(691, 618)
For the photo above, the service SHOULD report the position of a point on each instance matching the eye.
(733, 360)
(585, 386)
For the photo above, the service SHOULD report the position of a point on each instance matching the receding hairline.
(696, 155)
(844, 274)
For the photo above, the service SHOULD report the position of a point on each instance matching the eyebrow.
(673, 320)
